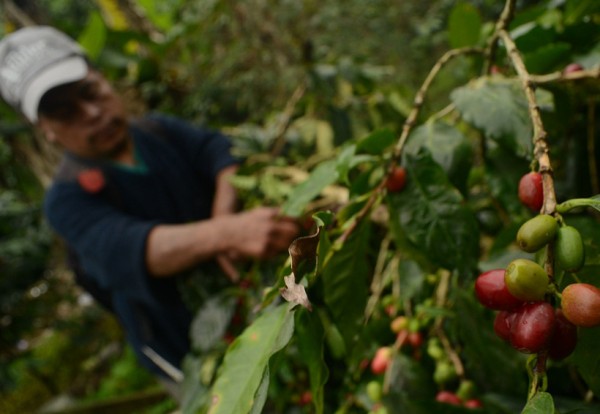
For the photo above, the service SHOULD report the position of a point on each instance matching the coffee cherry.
(491, 291)
(435, 349)
(535, 233)
(465, 390)
(444, 372)
(447, 397)
(374, 390)
(568, 249)
(381, 360)
(532, 327)
(473, 403)
(531, 192)
(581, 304)
(564, 338)
(396, 180)
(399, 323)
(415, 339)
(503, 324)
(572, 67)
(526, 280)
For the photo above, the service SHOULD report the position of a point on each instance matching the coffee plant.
(449, 262)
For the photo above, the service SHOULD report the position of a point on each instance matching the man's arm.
(225, 199)
(258, 233)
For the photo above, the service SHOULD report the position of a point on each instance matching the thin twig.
(540, 151)
(420, 96)
(503, 21)
(286, 118)
(591, 140)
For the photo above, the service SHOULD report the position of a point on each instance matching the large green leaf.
(587, 359)
(499, 109)
(93, 37)
(345, 280)
(488, 360)
(547, 57)
(310, 339)
(245, 366)
(211, 322)
(448, 146)
(433, 216)
(464, 25)
(322, 176)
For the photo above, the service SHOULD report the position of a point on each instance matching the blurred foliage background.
(318, 72)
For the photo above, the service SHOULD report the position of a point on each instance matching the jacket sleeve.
(111, 245)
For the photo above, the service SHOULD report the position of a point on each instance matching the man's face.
(85, 117)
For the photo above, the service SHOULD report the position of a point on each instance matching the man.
(139, 202)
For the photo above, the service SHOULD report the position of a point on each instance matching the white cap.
(34, 60)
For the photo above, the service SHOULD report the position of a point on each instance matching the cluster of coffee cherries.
(523, 294)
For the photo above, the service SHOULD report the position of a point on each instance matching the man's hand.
(259, 233)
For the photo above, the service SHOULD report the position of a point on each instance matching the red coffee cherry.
(581, 304)
(447, 397)
(381, 360)
(532, 327)
(531, 192)
(503, 324)
(492, 292)
(572, 68)
(396, 180)
(564, 338)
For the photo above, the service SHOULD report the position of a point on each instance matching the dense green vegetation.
(324, 99)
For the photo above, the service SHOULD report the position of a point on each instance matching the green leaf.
(344, 162)
(210, 323)
(448, 146)
(541, 403)
(464, 25)
(547, 57)
(376, 142)
(433, 216)
(587, 359)
(93, 37)
(245, 365)
(499, 109)
(474, 326)
(322, 176)
(310, 339)
(345, 281)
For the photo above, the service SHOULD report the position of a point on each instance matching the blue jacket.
(173, 182)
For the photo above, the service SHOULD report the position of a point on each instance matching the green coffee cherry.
(526, 280)
(569, 251)
(537, 232)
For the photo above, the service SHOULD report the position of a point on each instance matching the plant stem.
(502, 23)
(422, 92)
(540, 151)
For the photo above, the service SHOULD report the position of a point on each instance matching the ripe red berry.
(531, 192)
(564, 338)
(447, 397)
(396, 180)
(415, 339)
(532, 327)
(92, 180)
(503, 324)
(381, 360)
(473, 403)
(492, 292)
(572, 67)
(581, 304)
